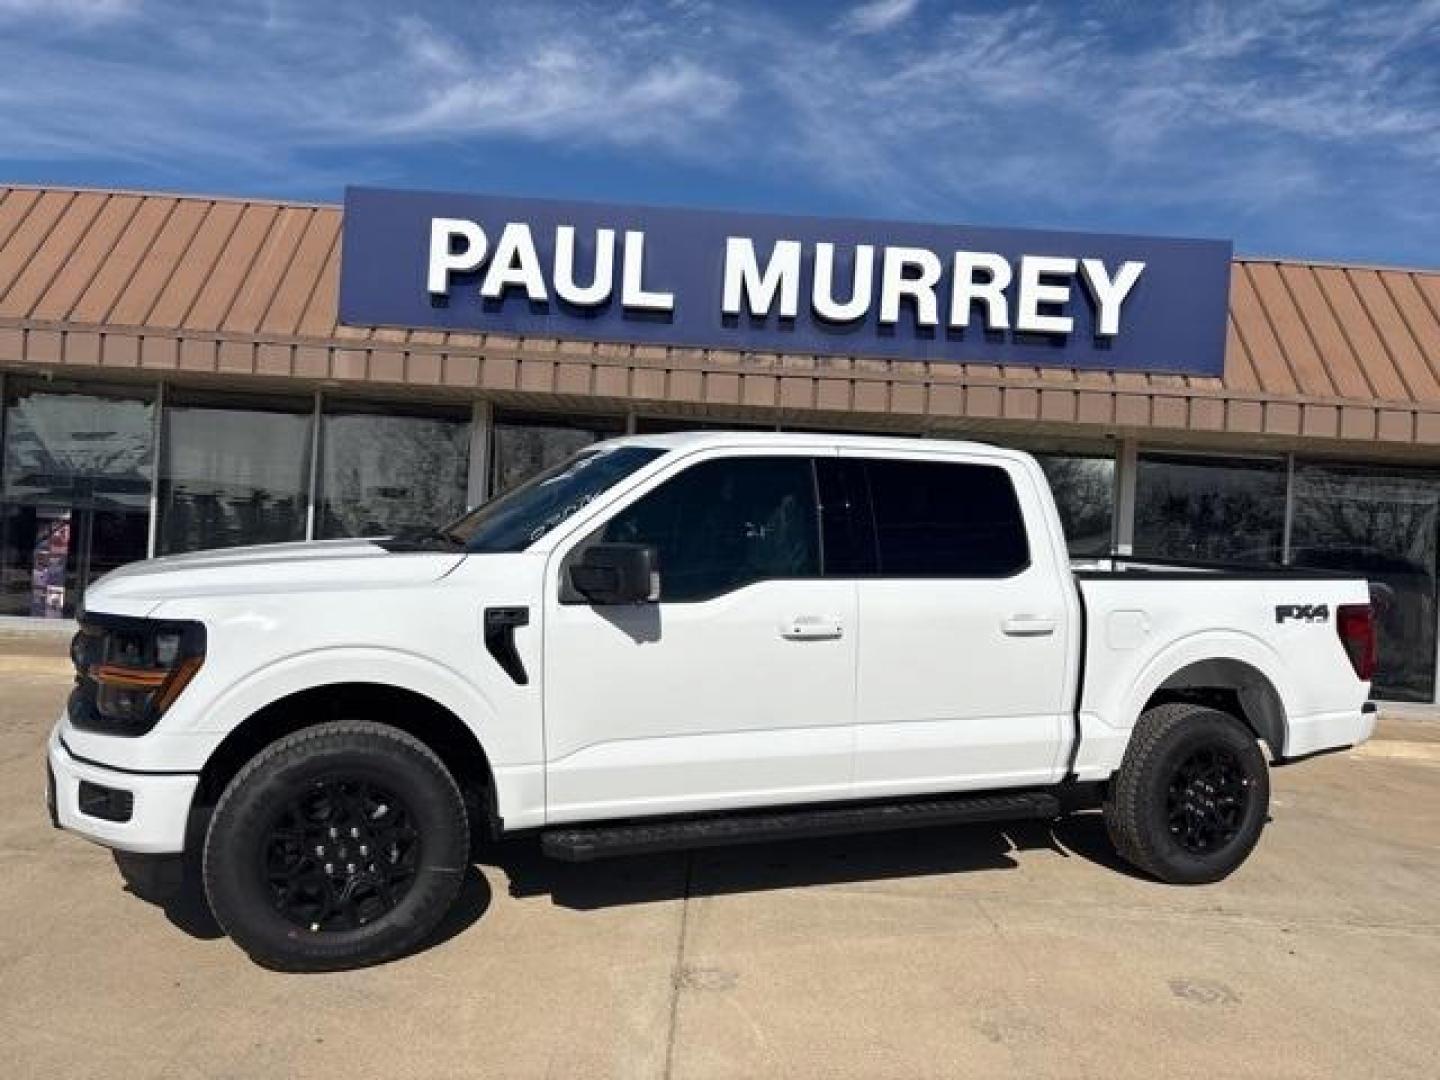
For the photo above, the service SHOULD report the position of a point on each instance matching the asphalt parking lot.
(979, 951)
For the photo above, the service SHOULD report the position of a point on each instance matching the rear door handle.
(811, 628)
(1029, 625)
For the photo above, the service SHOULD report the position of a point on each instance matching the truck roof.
(694, 440)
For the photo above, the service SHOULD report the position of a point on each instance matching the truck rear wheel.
(341, 845)
(1191, 796)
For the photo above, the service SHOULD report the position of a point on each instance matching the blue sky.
(1302, 127)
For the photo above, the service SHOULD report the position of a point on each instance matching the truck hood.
(323, 566)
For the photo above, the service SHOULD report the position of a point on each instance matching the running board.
(582, 844)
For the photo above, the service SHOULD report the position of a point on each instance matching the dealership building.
(188, 372)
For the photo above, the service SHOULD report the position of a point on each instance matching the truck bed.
(1146, 621)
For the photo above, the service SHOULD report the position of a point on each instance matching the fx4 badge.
(1302, 612)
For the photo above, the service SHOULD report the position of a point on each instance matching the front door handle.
(811, 628)
(1029, 625)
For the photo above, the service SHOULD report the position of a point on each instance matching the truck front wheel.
(1191, 795)
(341, 845)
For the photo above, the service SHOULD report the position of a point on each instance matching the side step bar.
(582, 844)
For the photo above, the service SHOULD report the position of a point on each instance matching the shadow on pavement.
(797, 863)
(174, 884)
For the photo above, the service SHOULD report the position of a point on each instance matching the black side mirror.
(617, 574)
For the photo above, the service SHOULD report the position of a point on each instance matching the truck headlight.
(128, 671)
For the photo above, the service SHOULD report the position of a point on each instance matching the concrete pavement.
(979, 951)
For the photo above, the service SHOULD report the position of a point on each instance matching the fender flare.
(348, 664)
(1211, 645)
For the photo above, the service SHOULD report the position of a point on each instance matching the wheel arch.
(1231, 685)
(403, 708)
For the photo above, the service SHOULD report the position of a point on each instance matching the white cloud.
(559, 87)
(1036, 101)
(875, 16)
(71, 11)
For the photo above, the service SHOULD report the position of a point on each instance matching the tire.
(1191, 796)
(339, 846)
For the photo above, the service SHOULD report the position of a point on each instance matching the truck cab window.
(936, 519)
(724, 524)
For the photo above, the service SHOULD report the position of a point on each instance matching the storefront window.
(1084, 489)
(383, 473)
(232, 476)
(1210, 509)
(525, 445)
(1381, 523)
(75, 497)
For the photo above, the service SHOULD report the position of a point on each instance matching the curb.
(1399, 749)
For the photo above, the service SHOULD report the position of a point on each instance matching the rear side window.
(724, 524)
(935, 519)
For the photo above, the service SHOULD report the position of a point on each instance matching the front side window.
(724, 524)
(942, 520)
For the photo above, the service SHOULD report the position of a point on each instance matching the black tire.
(1191, 796)
(339, 846)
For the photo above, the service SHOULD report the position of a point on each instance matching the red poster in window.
(51, 555)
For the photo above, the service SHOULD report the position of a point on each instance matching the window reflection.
(1210, 509)
(75, 496)
(385, 474)
(1084, 489)
(232, 476)
(724, 524)
(1381, 523)
(526, 445)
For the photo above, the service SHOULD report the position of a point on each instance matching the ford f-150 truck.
(678, 641)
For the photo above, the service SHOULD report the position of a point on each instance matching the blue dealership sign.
(772, 283)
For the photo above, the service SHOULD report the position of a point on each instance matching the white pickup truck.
(678, 641)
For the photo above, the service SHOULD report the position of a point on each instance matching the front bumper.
(158, 810)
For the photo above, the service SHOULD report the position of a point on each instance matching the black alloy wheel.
(340, 854)
(339, 846)
(1206, 801)
(1191, 795)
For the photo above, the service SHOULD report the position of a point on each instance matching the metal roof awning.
(128, 283)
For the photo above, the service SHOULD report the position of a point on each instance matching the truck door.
(737, 687)
(964, 656)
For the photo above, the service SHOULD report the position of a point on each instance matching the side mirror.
(617, 574)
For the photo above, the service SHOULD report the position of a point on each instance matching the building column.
(314, 490)
(477, 483)
(1289, 509)
(1127, 456)
(157, 433)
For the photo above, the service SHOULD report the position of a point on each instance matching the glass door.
(75, 497)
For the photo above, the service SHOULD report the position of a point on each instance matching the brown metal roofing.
(114, 279)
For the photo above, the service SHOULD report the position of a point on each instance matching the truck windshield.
(518, 518)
